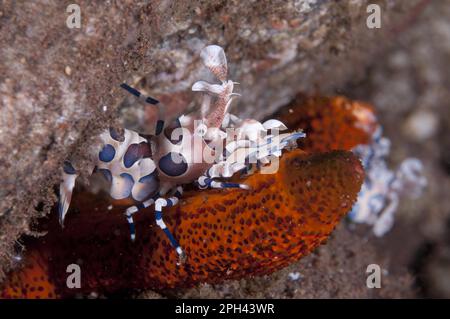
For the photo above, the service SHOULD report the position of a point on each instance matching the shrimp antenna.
(139, 95)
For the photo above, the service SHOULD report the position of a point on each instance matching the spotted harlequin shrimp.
(152, 169)
(378, 199)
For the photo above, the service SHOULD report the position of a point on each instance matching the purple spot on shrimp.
(173, 136)
(173, 164)
(68, 168)
(136, 152)
(116, 135)
(147, 185)
(107, 153)
(150, 178)
(106, 173)
(127, 177)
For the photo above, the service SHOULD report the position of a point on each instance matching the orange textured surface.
(226, 234)
(330, 123)
(32, 281)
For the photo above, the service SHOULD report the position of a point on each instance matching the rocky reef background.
(59, 88)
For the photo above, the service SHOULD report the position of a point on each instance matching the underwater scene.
(236, 150)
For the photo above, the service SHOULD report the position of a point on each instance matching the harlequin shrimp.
(153, 169)
(379, 196)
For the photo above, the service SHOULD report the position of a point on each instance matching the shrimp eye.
(201, 129)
